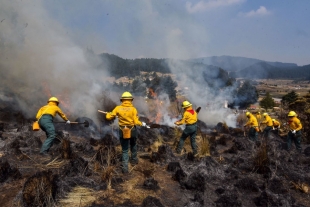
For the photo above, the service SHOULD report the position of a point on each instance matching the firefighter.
(276, 126)
(258, 117)
(252, 123)
(268, 122)
(295, 131)
(190, 120)
(127, 120)
(45, 117)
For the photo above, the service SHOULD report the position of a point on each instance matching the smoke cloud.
(38, 60)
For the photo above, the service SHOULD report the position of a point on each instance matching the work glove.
(68, 122)
(294, 131)
(143, 124)
(272, 128)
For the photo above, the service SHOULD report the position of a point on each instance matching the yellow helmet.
(265, 114)
(247, 113)
(53, 99)
(127, 95)
(186, 104)
(292, 113)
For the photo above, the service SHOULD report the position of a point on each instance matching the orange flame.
(158, 104)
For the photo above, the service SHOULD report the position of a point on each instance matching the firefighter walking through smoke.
(295, 131)
(268, 122)
(127, 119)
(190, 120)
(45, 117)
(253, 124)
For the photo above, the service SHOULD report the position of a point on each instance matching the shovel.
(86, 123)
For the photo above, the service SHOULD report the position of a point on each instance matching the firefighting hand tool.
(198, 109)
(104, 112)
(86, 123)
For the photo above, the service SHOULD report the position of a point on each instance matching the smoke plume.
(38, 60)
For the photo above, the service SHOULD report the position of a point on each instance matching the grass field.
(279, 88)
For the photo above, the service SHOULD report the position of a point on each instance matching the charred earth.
(84, 168)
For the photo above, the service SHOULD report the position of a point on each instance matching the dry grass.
(177, 134)
(147, 169)
(261, 158)
(157, 143)
(107, 175)
(204, 146)
(303, 187)
(79, 196)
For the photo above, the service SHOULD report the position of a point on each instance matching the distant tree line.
(265, 71)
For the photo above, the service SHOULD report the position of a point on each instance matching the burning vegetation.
(85, 166)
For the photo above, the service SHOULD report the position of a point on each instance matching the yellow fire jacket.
(258, 117)
(276, 123)
(127, 114)
(268, 121)
(295, 123)
(189, 117)
(252, 121)
(52, 109)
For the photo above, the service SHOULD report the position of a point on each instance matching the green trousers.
(296, 138)
(190, 130)
(266, 131)
(253, 134)
(46, 124)
(126, 144)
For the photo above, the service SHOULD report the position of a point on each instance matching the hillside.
(263, 70)
(239, 67)
(230, 63)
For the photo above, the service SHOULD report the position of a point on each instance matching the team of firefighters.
(128, 119)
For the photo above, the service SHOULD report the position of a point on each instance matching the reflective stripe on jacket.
(127, 114)
(51, 109)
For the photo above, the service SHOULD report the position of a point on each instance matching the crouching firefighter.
(295, 131)
(268, 122)
(252, 122)
(128, 120)
(45, 117)
(190, 120)
(276, 126)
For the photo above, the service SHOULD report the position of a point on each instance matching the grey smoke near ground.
(37, 57)
(212, 100)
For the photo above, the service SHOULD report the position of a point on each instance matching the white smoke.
(212, 102)
(36, 52)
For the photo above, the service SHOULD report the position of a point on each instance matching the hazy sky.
(273, 30)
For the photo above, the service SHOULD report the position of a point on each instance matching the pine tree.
(267, 102)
